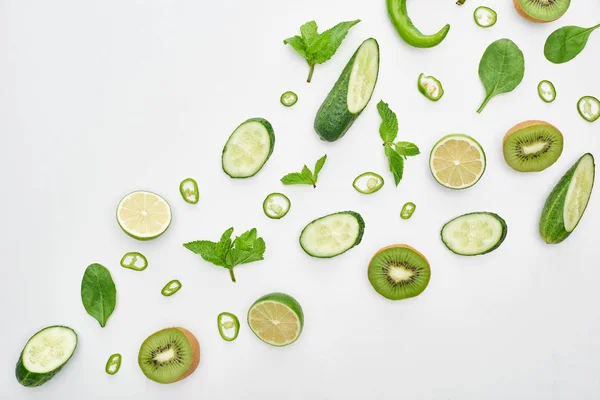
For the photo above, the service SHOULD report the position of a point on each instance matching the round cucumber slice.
(276, 205)
(368, 183)
(474, 234)
(248, 148)
(332, 235)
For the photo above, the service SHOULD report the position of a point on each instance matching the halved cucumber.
(474, 234)
(350, 94)
(45, 354)
(566, 204)
(333, 234)
(248, 148)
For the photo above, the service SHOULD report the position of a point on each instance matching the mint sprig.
(306, 177)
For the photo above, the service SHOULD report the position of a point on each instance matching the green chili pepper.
(430, 87)
(547, 91)
(288, 99)
(460, 2)
(171, 288)
(189, 191)
(113, 364)
(406, 29)
(408, 210)
(589, 108)
(132, 260)
(229, 326)
(485, 17)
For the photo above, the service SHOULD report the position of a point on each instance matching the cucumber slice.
(248, 148)
(350, 94)
(45, 354)
(276, 205)
(474, 234)
(368, 183)
(333, 234)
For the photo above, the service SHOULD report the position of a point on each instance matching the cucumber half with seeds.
(350, 94)
(566, 204)
(333, 234)
(45, 354)
(474, 234)
(248, 148)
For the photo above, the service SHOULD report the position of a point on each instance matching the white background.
(100, 98)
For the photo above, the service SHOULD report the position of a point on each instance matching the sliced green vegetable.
(430, 87)
(474, 234)
(113, 364)
(171, 288)
(189, 191)
(589, 108)
(564, 44)
(229, 326)
(288, 99)
(407, 30)
(276, 205)
(333, 234)
(368, 182)
(408, 210)
(135, 261)
(98, 293)
(248, 148)
(547, 91)
(485, 17)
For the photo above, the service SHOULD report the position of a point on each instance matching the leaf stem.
(487, 99)
(310, 72)
(232, 274)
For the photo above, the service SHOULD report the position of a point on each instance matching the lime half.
(144, 215)
(276, 319)
(457, 161)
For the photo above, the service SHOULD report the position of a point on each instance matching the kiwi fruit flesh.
(169, 355)
(542, 10)
(532, 146)
(398, 272)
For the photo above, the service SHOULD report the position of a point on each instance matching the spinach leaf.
(501, 69)
(98, 293)
(564, 44)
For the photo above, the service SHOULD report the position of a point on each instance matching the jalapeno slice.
(135, 261)
(485, 17)
(408, 210)
(229, 326)
(368, 182)
(546, 91)
(430, 87)
(171, 288)
(288, 99)
(589, 108)
(189, 190)
(113, 364)
(276, 205)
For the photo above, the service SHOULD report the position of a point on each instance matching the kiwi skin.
(524, 125)
(523, 13)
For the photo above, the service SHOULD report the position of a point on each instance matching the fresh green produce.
(113, 364)
(135, 261)
(333, 234)
(317, 48)
(350, 94)
(189, 191)
(407, 30)
(276, 319)
(397, 152)
(460, 2)
(98, 293)
(532, 146)
(547, 91)
(485, 17)
(566, 204)
(542, 10)
(288, 99)
(229, 326)
(474, 234)
(45, 354)
(457, 161)
(368, 183)
(276, 205)
(226, 253)
(430, 87)
(144, 215)
(248, 148)
(169, 355)
(501, 69)
(408, 210)
(564, 44)
(398, 272)
(171, 288)
(589, 108)
(306, 177)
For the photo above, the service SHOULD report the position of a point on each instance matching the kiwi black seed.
(169, 355)
(398, 272)
(532, 146)
(542, 10)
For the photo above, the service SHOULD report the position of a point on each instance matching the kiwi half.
(532, 146)
(398, 272)
(542, 10)
(169, 355)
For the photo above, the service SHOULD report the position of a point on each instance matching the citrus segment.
(276, 319)
(457, 161)
(144, 215)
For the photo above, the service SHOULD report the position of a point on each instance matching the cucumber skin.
(552, 222)
(499, 218)
(361, 231)
(271, 133)
(333, 118)
(34, 379)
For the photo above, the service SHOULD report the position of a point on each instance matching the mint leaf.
(296, 178)
(407, 149)
(319, 166)
(388, 130)
(298, 44)
(309, 32)
(335, 36)
(306, 177)
(208, 251)
(396, 163)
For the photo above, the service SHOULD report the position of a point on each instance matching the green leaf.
(298, 44)
(319, 166)
(305, 177)
(309, 32)
(208, 251)
(407, 149)
(98, 293)
(396, 163)
(296, 178)
(388, 130)
(564, 44)
(335, 36)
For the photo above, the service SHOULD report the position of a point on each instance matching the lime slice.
(143, 215)
(276, 319)
(457, 161)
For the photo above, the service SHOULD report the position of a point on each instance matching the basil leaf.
(501, 69)
(98, 293)
(564, 44)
